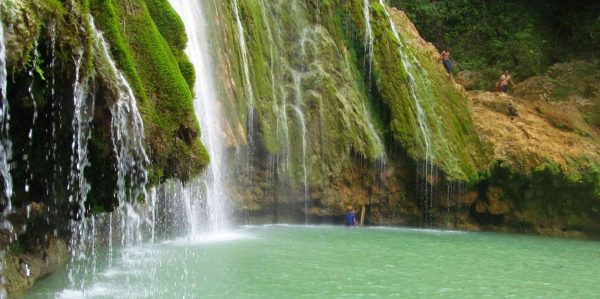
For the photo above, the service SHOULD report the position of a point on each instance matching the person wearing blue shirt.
(351, 217)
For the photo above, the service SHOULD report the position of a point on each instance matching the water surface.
(279, 261)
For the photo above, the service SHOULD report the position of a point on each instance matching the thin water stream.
(420, 92)
(247, 83)
(368, 35)
(5, 155)
(5, 141)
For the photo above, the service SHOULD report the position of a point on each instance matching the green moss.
(545, 195)
(288, 42)
(172, 29)
(153, 70)
(455, 147)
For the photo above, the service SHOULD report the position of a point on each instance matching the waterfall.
(298, 109)
(83, 103)
(206, 105)
(406, 63)
(279, 101)
(368, 45)
(78, 186)
(303, 94)
(368, 62)
(427, 169)
(56, 119)
(5, 141)
(278, 166)
(127, 130)
(32, 70)
(247, 84)
(5, 153)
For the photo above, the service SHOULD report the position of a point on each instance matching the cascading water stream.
(300, 131)
(421, 117)
(56, 119)
(281, 129)
(78, 186)
(5, 141)
(5, 155)
(411, 65)
(298, 109)
(206, 105)
(128, 145)
(247, 84)
(278, 165)
(368, 45)
(127, 130)
(36, 58)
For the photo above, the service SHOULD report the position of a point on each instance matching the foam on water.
(209, 238)
(96, 291)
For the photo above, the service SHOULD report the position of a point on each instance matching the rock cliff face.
(342, 103)
(338, 103)
(546, 153)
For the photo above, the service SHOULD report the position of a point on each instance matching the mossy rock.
(147, 39)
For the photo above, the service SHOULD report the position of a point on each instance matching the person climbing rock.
(503, 83)
(351, 217)
(445, 55)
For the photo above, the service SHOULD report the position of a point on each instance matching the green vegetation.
(148, 49)
(298, 56)
(545, 196)
(173, 31)
(161, 77)
(523, 36)
(455, 147)
(347, 104)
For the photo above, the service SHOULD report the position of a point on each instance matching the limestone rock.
(468, 79)
(496, 201)
(542, 132)
(468, 198)
(23, 269)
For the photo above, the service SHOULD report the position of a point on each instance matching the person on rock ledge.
(503, 84)
(351, 217)
(445, 55)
